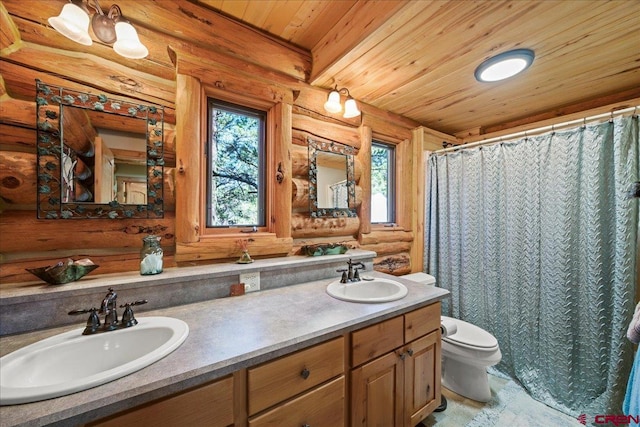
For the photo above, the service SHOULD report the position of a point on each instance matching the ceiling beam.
(363, 24)
(162, 23)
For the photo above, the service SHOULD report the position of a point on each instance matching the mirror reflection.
(118, 148)
(331, 179)
(98, 156)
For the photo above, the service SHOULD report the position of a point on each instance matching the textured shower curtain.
(536, 240)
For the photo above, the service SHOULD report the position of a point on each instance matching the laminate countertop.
(225, 335)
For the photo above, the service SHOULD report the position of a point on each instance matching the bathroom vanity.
(288, 356)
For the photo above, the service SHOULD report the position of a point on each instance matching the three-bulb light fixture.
(112, 28)
(333, 103)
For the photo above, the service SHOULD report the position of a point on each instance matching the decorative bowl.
(63, 272)
(325, 249)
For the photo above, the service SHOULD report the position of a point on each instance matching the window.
(382, 183)
(235, 165)
(198, 237)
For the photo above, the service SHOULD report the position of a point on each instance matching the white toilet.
(467, 351)
(466, 354)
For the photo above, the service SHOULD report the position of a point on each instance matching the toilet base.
(466, 380)
(443, 404)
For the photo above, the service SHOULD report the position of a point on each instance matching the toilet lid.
(471, 335)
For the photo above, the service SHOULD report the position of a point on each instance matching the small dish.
(64, 272)
(325, 249)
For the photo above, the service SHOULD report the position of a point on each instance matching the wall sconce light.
(333, 103)
(112, 28)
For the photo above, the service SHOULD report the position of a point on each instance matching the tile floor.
(510, 406)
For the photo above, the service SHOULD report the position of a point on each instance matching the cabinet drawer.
(210, 405)
(283, 378)
(422, 321)
(321, 407)
(376, 340)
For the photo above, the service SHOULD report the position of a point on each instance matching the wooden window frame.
(393, 171)
(193, 241)
(403, 191)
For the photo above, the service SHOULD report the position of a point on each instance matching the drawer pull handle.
(305, 374)
(403, 356)
(410, 352)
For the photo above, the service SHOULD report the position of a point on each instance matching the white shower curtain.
(536, 240)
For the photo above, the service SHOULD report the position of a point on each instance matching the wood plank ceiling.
(417, 58)
(414, 58)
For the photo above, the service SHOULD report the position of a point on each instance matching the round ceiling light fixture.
(504, 65)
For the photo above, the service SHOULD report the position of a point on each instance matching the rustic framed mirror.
(98, 157)
(331, 179)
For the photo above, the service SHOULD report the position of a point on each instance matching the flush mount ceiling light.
(504, 65)
(112, 28)
(333, 103)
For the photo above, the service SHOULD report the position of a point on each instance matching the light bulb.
(350, 109)
(128, 44)
(73, 23)
(333, 102)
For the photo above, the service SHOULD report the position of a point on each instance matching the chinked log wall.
(31, 50)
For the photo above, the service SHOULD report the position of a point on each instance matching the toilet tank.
(422, 278)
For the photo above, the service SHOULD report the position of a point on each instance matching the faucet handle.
(139, 302)
(93, 323)
(128, 319)
(344, 278)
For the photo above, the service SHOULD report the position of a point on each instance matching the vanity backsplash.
(38, 306)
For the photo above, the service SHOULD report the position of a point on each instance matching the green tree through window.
(235, 165)
(382, 183)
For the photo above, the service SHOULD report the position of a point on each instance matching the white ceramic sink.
(368, 291)
(71, 362)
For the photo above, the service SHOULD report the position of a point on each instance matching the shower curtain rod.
(540, 130)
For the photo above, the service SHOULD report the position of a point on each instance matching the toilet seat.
(471, 336)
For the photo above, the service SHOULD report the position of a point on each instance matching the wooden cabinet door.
(422, 377)
(376, 393)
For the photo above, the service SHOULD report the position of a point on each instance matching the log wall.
(30, 49)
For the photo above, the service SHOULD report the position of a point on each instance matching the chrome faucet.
(351, 273)
(108, 308)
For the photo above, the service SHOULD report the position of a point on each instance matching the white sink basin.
(372, 291)
(71, 362)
